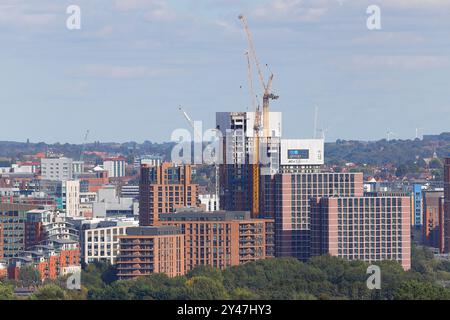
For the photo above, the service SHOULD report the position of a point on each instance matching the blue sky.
(124, 74)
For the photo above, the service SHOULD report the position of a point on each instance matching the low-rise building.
(130, 191)
(93, 181)
(46, 225)
(60, 169)
(115, 166)
(100, 239)
(110, 205)
(52, 259)
(222, 238)
(147, 250)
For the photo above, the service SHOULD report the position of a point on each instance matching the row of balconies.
(136, 241)
(137, 270)
(136, 263)
(137, 255)
(133, 259)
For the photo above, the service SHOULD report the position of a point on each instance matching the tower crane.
(267, 96)
(216, 165)
(250, 85)
(316, 118)
(256, 143)
(267, 87)
(84, 145)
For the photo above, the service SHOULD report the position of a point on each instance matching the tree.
(203, 288)
(29, 276)
(243, 294)
(435, 164)
(415, 290)
(119, 290)
(206, 271)
(49, 292)
(158, 286)
(6, 292)
(324, 277)
(98, 274)
(401, 171)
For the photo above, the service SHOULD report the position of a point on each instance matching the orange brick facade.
(433, 219)
(164, 188)
(369, 228)
(148, 250)
(1, 241)
(51, 264)
(222, 239)
(447, 205)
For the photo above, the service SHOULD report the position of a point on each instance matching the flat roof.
(153, 231)
(205, 216)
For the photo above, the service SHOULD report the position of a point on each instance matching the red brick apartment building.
(53, 259)
(147, 250)
(164, 188)
(92, 182)
(372, 228)
(433, 219)
(286, 197)
(222, 238)
(447, 205)
(1, 241)
(41, 225)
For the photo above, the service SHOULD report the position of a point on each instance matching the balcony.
(135, 261)
(132, 256)
(132, 270)
(136, 248)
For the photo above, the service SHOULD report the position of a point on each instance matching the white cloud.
(291, 10)
(18, 14)
(156, 10)
(129, 5)
(412, 4)
(314, 10)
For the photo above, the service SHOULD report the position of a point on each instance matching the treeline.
(378, 153)
(382, 152)
(13, 151)
(320, 278)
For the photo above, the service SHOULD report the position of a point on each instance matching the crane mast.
(256, 143)
(84, 145)
(260, 130)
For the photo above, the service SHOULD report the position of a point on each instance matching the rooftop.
(153, 231)
(198, 215)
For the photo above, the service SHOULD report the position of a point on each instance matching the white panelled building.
(99, 241)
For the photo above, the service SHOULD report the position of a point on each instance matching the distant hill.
(360, 152)
(382, 152)
(15, 150)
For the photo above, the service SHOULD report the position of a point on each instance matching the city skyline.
(148, 57)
